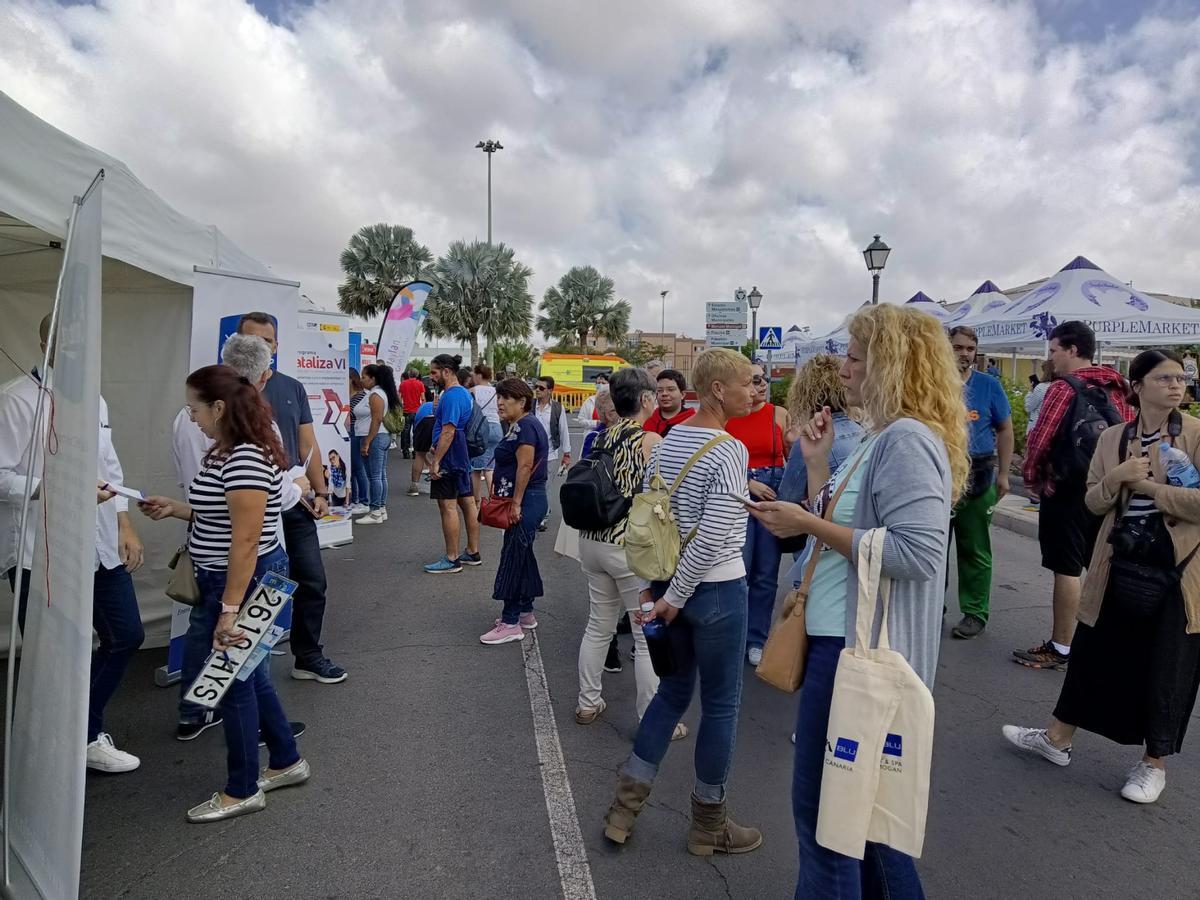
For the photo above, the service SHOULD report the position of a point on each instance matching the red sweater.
(661, 426)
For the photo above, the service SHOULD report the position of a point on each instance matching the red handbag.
(497, 512)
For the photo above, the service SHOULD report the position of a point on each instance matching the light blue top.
(825, 612)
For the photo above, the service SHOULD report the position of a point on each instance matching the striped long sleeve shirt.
(703, 502)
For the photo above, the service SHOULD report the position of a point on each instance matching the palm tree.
(481, 288)
(582, 306)
(378, 261)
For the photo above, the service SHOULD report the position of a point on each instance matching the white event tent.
(1081, 290)
(926, 304)
(986, 302)
(150, 253)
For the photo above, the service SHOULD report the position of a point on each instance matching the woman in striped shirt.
(233, 511)
(704, 605)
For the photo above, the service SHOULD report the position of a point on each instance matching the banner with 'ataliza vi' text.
(322, 366)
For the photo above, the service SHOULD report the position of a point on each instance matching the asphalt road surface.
(436, 774)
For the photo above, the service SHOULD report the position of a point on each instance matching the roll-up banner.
(46, 756)
(322, 366)
(401, 324)
(219, 299)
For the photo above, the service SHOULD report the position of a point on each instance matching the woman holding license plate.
(1135, 659)
(906, 473)
(233, 512)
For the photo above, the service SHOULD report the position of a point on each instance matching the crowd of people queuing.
(907, 432)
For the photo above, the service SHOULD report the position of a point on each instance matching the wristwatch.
(228, 608)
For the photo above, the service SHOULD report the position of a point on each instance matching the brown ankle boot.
(622, 813)
(713, 831)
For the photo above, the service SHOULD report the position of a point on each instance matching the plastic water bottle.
(658, 643)
(1180, 471)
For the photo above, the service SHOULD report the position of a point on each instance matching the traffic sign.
(770, 338)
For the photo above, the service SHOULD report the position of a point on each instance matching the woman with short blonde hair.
(907, 472)
(704, 606)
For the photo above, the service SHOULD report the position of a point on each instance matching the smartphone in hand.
(745, 501)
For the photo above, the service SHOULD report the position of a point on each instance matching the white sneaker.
(383, 512)
(754, 655)
(413, 490)
(104, 757)
(372, 518)
(1034, 740)
(359, 509)
(1145, 783)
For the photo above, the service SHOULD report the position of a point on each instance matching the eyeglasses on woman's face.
(1167, 380)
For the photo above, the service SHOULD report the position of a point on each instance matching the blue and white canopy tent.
(922, 301)
(987, 302)
(1119, 315)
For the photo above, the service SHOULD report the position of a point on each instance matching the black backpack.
(590, 497)
(477, 429)
(1091, 412)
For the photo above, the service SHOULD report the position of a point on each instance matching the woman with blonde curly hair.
(907, 472)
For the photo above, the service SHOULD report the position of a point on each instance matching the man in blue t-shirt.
(990, 441)
(450, 467)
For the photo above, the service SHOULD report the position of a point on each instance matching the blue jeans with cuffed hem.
(761, 555)
(377, 469)
(883, 873)
(358, 472)
(251, 704)
(707, 637)
(118, 624)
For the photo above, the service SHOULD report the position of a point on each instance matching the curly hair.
(911, 374)
(816, 385)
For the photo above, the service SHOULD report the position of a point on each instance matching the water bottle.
(658, 643)
(1180, 471)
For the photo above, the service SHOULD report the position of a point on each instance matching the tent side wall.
(147, 324)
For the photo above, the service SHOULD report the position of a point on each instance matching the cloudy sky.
(689, 145)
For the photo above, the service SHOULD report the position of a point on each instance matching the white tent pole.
(14, 625)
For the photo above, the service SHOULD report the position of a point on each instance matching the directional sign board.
(770, 338)
(725, 324)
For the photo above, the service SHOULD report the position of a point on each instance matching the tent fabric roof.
(42, 170)
(1119, 315)
(988, 300)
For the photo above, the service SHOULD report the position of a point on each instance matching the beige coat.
(1180, 508)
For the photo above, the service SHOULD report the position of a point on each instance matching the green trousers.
(971, 528)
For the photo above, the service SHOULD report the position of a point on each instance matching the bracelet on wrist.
(228, 609)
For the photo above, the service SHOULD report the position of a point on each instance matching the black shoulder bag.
(1142, 572)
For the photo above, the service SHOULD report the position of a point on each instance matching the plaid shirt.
(1055, 406)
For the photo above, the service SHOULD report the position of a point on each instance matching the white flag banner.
(49, 739)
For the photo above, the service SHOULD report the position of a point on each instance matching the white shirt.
(543, 415)
(362, 411)
(189, 445)
(18, 401)
(584, 416)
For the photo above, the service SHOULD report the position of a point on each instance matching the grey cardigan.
(906, 489)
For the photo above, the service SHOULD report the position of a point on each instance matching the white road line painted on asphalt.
(574, 873)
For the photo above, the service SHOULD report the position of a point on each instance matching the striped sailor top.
(1139, 504)
(245, 467)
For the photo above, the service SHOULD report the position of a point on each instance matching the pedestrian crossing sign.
(770, 338)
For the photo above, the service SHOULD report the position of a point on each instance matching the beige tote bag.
(566, 543)
(879, 749)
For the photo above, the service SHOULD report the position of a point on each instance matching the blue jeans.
(118, 624)
(377, 469)
(884, 873)
(486, 461)
(251, 704)
(761, 554)
(359, 482)
(706, 637)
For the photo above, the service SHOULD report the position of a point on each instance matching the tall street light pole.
(489, 147)
(876, 256)
(663, 295)
(754, 298)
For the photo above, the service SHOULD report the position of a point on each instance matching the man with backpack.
(1083, 400)
(553, 417)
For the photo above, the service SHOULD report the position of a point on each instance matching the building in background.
(680, 351)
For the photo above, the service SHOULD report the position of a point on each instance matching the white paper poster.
(46, 785)
(322, 366)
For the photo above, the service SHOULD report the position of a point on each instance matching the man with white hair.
(654, 367)
(250, 357)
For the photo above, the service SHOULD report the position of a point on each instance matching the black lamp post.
(489, 147)
(876, 257)
(754, 298)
